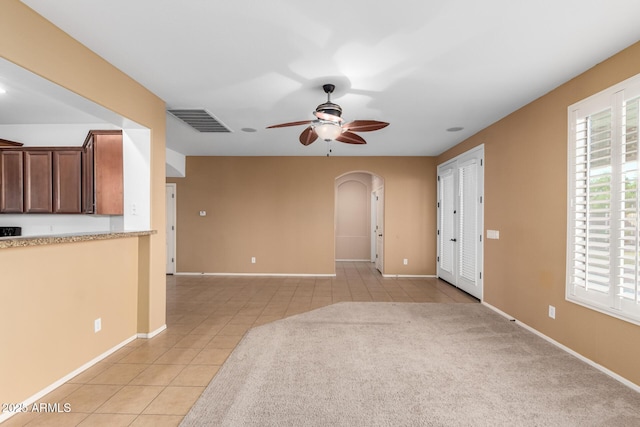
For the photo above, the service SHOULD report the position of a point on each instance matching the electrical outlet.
(552, 312)
(405, 261)
(253, 260)
(97, 325)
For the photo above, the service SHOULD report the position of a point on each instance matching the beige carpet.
(407, 364)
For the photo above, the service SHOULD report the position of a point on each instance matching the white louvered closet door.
(446, 224)
(460, 222)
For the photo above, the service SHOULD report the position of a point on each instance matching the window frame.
(615, 99)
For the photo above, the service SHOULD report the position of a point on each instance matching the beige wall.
(281, 211)
(51, 296)
(56, 286)
(526, 200)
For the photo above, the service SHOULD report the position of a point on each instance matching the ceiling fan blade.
(364, 125)
(329, 117)
(282, 125)
(350, 138)
(308, 136)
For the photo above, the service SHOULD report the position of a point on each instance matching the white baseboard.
(6, 415)
(400, 276)
(588, 361)
(255, 274)
(153, 333)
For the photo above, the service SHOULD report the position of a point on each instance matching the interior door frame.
(475, 288)
(378, 196)
(374, 219)
(170, 215)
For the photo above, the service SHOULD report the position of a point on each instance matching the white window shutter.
(603, 247)
(628, 268)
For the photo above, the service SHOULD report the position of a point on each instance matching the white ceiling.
(422, 65)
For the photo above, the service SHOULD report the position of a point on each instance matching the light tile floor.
(155, 382)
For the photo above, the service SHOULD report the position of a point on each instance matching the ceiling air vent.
(200, 120)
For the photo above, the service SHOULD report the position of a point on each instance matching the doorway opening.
(359, 218)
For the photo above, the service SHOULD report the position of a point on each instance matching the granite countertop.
(23, 241)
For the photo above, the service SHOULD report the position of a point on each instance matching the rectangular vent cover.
(200, 120)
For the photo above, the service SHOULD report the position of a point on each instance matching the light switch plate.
(493, 234)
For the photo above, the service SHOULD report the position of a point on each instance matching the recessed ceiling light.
(248, 130)
(455, 129)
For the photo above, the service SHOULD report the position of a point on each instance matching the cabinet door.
(108, 174)
(88, 184)
(38, 196)
(102, 173)
(67, 188)
(11, 181)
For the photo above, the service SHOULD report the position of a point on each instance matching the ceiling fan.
(329, 126)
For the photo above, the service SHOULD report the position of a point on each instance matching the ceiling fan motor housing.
(330, 108)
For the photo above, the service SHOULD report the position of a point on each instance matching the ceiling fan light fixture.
(328, 131)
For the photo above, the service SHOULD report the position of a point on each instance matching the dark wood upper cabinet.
(38, 188)
(103, 180)
(11, 181)
(67, 181)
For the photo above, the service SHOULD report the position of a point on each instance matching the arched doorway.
(359, 218)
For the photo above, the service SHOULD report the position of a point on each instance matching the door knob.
(379, 235)
(454, 240)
